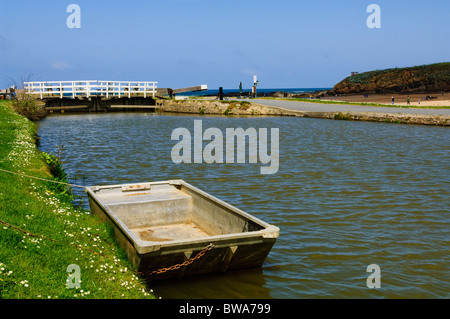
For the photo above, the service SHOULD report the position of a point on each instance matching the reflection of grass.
(33, 267)
(353, 103)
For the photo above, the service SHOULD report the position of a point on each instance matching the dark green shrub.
(342, 116)
(28, 106)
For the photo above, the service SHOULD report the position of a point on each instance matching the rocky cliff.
(423, 79)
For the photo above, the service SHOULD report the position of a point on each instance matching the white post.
(129, 90)
(60, 90)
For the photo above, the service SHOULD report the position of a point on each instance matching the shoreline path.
(318, 107)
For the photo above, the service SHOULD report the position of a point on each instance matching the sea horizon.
(259, 90)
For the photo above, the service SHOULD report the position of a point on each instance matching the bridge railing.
(108, 89)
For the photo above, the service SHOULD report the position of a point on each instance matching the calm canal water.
(347, 195)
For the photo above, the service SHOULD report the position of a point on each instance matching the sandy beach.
(439, 99)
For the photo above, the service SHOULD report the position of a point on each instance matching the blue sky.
(179, 43)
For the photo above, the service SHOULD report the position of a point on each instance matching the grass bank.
(42, 234)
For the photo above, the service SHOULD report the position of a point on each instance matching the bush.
(28, 106)
(342, 116)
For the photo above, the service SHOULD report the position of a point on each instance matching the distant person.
(393, 100)
(408, 100)
(12, 93)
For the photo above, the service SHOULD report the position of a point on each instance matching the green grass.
(34, 267)
(353, 103)
(343, 117)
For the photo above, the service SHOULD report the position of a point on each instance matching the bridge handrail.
(74, 89)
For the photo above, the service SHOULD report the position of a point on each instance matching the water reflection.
(251, 285)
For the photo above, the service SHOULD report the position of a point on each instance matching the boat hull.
(164, 226)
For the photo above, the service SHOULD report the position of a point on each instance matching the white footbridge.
(102, 95)
(88, 89)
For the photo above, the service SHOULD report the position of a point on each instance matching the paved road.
(317, 107)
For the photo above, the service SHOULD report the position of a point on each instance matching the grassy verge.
(33, 267)
(353, 103)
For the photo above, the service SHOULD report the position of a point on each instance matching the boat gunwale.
(268, 231)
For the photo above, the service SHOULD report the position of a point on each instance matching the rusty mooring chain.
(184, 264)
